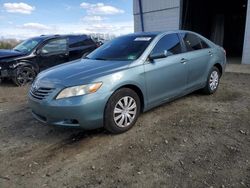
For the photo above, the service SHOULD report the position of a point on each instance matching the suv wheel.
(213, 81)
(122, 111)
(23, 76)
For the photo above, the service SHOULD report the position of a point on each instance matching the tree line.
(8, 44)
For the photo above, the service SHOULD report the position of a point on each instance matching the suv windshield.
(123, 48)
(27, 45)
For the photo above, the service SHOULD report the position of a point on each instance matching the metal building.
(227, 23)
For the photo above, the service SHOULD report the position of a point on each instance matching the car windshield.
(125, 48)
(27, 45)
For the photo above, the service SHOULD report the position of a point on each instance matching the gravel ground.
(195, 141)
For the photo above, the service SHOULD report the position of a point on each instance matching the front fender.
(128, 83)
(126, 79)
(24, 63)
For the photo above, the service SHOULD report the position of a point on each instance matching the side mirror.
(160, 55)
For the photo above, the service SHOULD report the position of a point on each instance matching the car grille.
(40, 93)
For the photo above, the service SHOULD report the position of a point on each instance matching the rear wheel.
(23, 76)
(122, 111)
(213, 81)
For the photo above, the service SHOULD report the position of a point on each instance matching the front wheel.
(23, 76)
(213, 81)
(122, 111)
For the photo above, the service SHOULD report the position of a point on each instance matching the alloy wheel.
(25, 77)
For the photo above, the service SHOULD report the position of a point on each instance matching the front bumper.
(83, 111)
(5, 73)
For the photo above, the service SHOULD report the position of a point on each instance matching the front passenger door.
(54, 52)
(166, 77)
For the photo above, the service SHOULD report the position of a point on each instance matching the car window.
(124, 48)
(55, 46)
(75, 39)
(28, 45)
(191, 41)
(170, 42)
(78, 41)
(204, 44)
(89, 41)
(81, 43)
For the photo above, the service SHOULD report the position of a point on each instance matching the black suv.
(27, 59)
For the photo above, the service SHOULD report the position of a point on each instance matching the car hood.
(9, 54)
(80, 72)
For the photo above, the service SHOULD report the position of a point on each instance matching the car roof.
(155, 33)
(46, 37)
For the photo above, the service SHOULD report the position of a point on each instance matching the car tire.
(23, 76)
(213, 81)
(122, 111)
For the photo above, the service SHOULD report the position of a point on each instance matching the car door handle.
(184, 60)
(210, 53)
(63, 55)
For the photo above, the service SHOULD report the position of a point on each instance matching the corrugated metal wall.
(246, 49)
(163, 15)
(160, 15)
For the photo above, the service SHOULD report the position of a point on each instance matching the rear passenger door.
(166, 77)
(198, 54)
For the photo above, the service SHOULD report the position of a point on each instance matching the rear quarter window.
(204, 44)
(192, 42)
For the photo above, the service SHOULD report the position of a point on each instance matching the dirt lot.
(196, 141)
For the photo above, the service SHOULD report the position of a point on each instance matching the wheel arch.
(26, 64)
(219, 67)
(138, 91)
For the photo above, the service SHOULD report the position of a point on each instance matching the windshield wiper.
(17, 50)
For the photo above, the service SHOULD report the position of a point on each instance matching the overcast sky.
(26, 18)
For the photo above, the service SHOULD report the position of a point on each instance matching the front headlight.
(79, 90)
